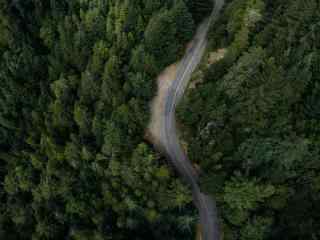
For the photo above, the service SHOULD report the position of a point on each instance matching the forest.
(253, 122)
(76, 80)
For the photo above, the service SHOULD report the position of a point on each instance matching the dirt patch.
(164, 81)
(216, 56)
(197, 78)
(198, 232)
(213, 57)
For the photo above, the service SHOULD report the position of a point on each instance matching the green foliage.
(167, 31)
(253, 124)
(184, 21)
(160, 37)
(241, 197)
(76, 80)
(200, 8)
(256, 230)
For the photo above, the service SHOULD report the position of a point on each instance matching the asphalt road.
(208, 217)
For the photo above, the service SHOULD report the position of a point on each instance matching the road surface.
(206, 206)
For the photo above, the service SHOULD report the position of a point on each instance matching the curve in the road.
(206, 205)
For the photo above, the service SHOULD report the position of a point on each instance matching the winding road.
(206, 206)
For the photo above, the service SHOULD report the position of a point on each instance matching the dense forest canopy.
(76, 79)
(253, 124)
